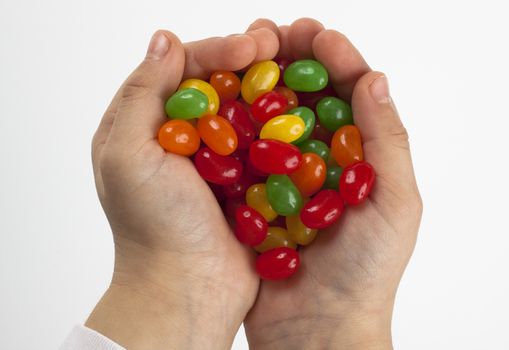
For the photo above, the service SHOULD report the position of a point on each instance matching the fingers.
(267, 42)
(341, 59)
(230, 53)
(266, 34)
(385, 140)
(301, 35)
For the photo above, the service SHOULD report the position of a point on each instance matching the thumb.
(385, 140)
(140, 110)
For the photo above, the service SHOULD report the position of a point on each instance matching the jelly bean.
(283, 196)
(291, 96)
(298, 232)
(286, 128)
(282, 63)
(179, 137)
(306, 75)
(226, 84)
(334, 113)
(207, 89)
(186, 104)
(311, 99)
(356, 182)
(234, 112)
(310, 176)
(256, 198)
(218, 134)
(259, 79)
(268, 106)
(322, 210)
(322, 134)
(221, 170)
(230, 206)
(308, 117)
(276, 237)
(277, 263)
(251, 227)
(239, 188)
(315, 146)
(274, 157)
(332, 178)
(346, 146)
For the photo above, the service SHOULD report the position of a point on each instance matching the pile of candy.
(266, 157)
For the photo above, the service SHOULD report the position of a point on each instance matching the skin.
(178, 266)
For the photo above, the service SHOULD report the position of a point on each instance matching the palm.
(169, 208)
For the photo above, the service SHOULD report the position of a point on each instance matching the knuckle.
(133, 91)
(399, 136)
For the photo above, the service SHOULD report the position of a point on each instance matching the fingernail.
(158, 47)
(379, 90)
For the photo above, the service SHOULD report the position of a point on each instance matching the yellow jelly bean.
(207, 89)
(276, 237)
(298, 232)
(259, 79)
(256, 198)
(286, 128)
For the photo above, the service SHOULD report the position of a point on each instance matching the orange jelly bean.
(310, 175)
(276, 237)
(227, 85)
(179, 137)
(218, 134)
(346, 145)
(291, 96)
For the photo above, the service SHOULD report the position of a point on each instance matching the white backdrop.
(61, 61)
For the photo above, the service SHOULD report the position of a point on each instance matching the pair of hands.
(181, 279)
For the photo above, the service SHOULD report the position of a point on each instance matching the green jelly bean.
(332, 178)
(187, 104)
(334, 113)
(283, 196)
(308, 116)
(315, 146)
(306, 75)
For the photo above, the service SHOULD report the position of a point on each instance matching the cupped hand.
(181, 279)
(343, 294)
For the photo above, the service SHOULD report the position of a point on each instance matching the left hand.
(181, 279)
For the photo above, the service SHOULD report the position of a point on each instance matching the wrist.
(345, 327)
(156, 302)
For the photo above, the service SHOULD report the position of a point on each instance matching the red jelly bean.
(221, 170)
(251, 227)
(234, 112)
(274, 157)
(356, 182)
(239, 188)
(277, 263)
(268, 106)
(322, 210)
